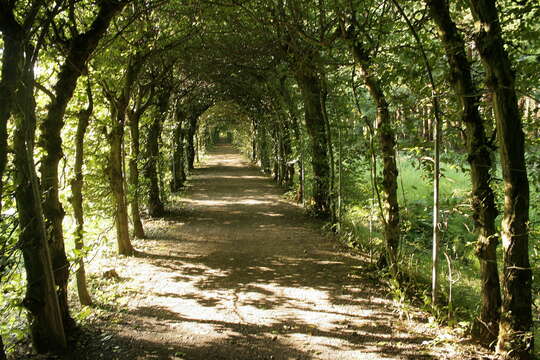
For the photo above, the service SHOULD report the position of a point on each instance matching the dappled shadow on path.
(240, 273)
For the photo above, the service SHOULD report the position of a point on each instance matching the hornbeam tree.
(516, 340)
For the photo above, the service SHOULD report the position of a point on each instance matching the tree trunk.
(192, 129)
(284, 90)
(310, 86)
(77, 198)
(288, 165)
(81, 47)
(516, 340)
(387, 142)
(2, 352)
(116, 177)
(155, 205)
(134, 117)
(8, 85)
(116, 157)
(41, 298)
(479, 152)
(178, 165)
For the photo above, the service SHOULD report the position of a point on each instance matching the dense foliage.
(356, 108)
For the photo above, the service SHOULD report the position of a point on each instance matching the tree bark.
(116, 177)
(41, 298)
(178, 164)
(2, 352)
(516, 340)
(8, 85)
(479, 152)
(383, 122)
(155, 205)
(284, 90)
(77, 198)
(192, 129)
(310, 86)
(116, 157)
(81, 46)
(134, 117)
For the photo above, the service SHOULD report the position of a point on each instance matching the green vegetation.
(358, 109)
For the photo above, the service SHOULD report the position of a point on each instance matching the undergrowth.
(459, 267)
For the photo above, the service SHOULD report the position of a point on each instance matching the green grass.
(415, 194)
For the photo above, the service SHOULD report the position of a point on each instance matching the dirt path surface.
(239, 273)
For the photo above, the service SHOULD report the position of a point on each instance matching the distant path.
(239, 273)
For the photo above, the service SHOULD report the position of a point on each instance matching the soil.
(238, 272)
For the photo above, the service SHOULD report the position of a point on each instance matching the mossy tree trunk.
(8, 84)
(515, 339)
(80, 48)
(134, 116)
(41, 298)
(118, 106)
(385, 131)
(77, 197)
(479, 152)
(295, 127)
(192, 129)
(178, 161)
(310, 87)
(155, 204)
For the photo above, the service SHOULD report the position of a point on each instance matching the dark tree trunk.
(2, 352)
(8, 84)
(479, 156)
(387, 142)
(80, 49)
(178, 164)
(263, 148)
(310, 86)
(77, 198)
(288, 165)
(192, 129)
(516, 326)
(155, 205)
(41, 298)
(134, 117)
(297, 136)
(116, 157)
(116, 177)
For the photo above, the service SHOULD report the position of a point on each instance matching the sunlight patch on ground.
(226, 202)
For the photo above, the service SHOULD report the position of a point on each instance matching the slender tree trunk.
(178, 164)
(324, 111)
(134, 123)
(138, 230)
(284, 90)
(2, 352)
(516, 340)
(479, 156)
(77, 198)
(41, 298)
(116, 159)
(310, 86)
(192, 129)
(116, 177)
(8, 84)
(288, 165)
(387, 142)
(155, 205)
(263, 147)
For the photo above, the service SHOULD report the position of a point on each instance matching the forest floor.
(237, 272)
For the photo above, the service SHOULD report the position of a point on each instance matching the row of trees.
(130, 80)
